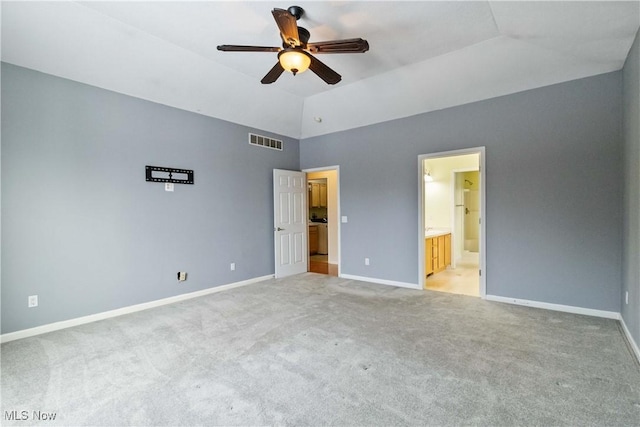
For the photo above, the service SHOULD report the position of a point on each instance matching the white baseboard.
(38, 330)
(381, 281)
(632, 342)
(556, 307)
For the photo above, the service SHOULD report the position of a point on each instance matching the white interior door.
(290, 222)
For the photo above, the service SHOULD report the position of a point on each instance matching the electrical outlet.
(626, 297)
(366, 261)
(168, 186)
(182, 276)
(344, 219)
(33, 301)
(233, 266)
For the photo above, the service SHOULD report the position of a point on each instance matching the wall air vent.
(263, 141)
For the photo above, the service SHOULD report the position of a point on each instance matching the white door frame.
(483, 212)
(335, 168)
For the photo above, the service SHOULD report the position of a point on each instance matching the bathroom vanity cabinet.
(437, 252)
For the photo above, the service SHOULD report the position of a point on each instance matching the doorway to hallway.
(323, 208)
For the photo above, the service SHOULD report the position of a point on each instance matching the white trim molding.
(556, 307)
(38, 330)
(381, 281)
(575, 310)
(481, 151)
(630, 340)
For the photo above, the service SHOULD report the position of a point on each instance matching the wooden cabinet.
(323, 195)
(447, 250)
(313, 239)
(428, 256)
(318, 196)
(314, 195)
(437, 253)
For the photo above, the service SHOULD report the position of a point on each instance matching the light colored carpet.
(320, 350)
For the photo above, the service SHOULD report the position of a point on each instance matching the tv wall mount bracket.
(173, 175)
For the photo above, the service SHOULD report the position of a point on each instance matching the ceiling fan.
(295, 54)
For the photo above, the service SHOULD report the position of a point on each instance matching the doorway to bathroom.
(451, 229)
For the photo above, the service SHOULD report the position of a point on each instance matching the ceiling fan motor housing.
(303, 36)
(296, 11)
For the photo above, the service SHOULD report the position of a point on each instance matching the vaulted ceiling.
(424, 55)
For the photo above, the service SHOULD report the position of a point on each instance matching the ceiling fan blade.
(287, 25)
(273, 74)
(236, 48)
(339, 46)
(324, 72)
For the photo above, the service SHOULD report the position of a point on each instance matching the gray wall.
(631, 231)
(83, 230)
(554, 198)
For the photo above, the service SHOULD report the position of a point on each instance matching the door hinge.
(479, 220)
(480, 272)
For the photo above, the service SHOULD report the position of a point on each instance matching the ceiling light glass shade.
(294, 60)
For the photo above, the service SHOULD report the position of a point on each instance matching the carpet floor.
(321, 350)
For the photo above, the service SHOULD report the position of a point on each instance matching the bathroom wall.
(438, 200)
(472, 180)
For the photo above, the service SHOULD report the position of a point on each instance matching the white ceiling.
(424, 55)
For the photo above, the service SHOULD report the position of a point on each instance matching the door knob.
(279, 229)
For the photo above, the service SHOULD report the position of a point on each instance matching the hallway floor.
(320, 264)
(462, 280)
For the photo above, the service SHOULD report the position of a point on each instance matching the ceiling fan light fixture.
(294, 60)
